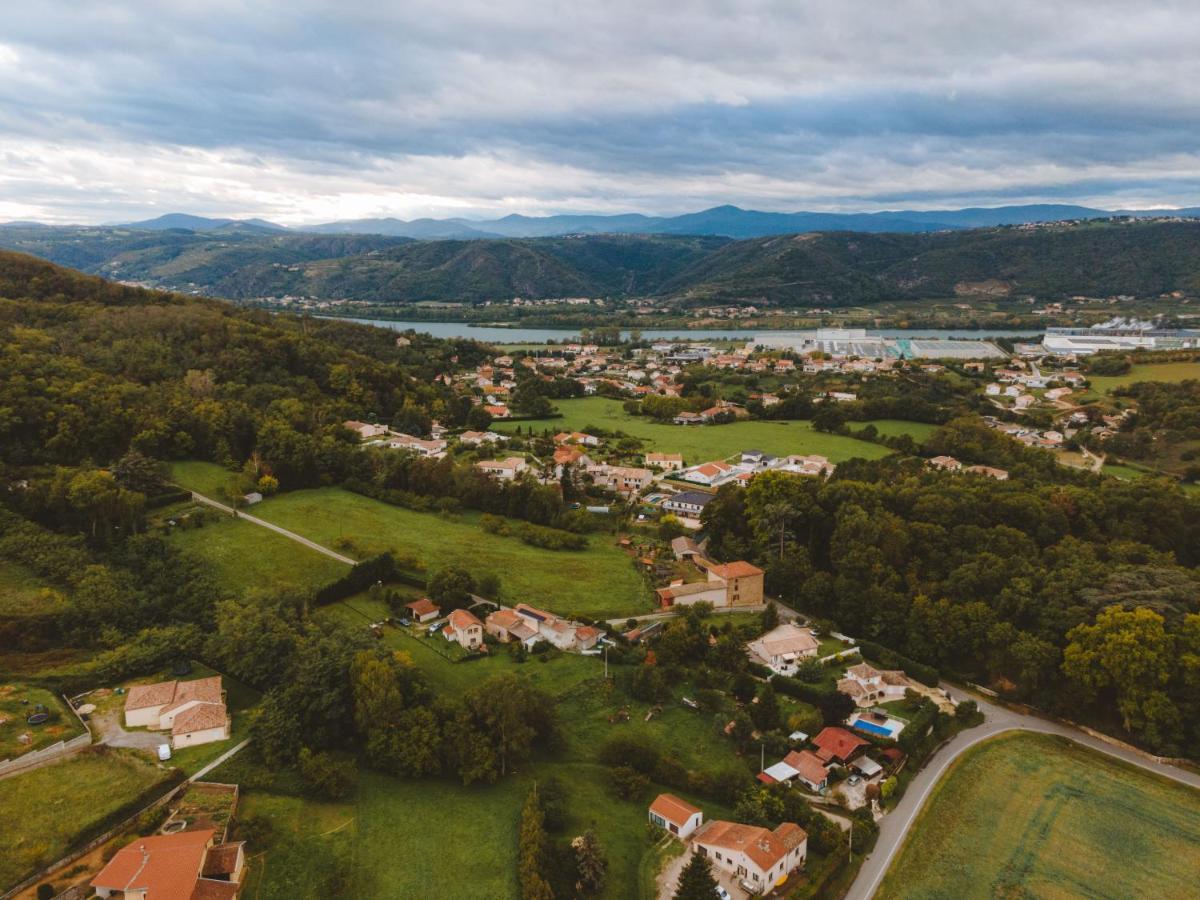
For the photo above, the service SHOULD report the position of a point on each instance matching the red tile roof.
(200, 717)
(673, 809)
(422, 607)
(809, 765)
(765, 848)
(461, 620)
(165, 866)
(739, 569)
(838, 743)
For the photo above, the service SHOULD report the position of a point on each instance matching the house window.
(674, 828)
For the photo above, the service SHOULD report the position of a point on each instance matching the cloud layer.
(304, 111)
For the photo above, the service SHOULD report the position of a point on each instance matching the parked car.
(722, 893)
(164, 752)
(853, 779)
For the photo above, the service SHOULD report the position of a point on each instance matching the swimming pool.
(863, 725)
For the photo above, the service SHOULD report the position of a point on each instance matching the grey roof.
(696, 498)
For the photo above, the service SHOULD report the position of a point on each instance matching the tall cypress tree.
(696, 881)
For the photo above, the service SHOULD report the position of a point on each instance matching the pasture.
(24, 593)
(699, 443)
(1171, 371)
(600, 581)
(1077, 824)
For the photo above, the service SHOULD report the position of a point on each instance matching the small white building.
(675, 816)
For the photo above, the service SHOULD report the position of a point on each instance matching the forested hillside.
(1102, 258)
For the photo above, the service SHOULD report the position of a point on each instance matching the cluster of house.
(833, 746)
(376, 435)
(193, 711)
(522, 623)
(950, 464)
(188, 865)
(751, 463)
(759, 857)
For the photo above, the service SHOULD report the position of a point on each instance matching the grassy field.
(699, 443)
(1175, 371)
(243, 556)
(918, 431)
(45, 810)
(598, 581)
(17, 701)
(23, 593)
(204, 478)
(1080, 824)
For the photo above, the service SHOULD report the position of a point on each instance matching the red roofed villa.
(838, 744)
(183, 866)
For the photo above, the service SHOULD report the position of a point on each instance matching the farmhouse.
(752, 853)
(945, 463)
(781, 648)
(423, 610)
(464, 629)
(728, 585)
(194, 711)
(559, 632)
(183, 866)
(677, 816)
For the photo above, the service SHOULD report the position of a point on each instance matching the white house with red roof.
(184, 866)
(676, 816)
(464, 629)
(751, 853)
(193, 711)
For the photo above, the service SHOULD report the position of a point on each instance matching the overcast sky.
(304, 112)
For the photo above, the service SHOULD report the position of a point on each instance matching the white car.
(722, 893)
(164, 752)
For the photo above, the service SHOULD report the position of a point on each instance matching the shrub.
(628, 782)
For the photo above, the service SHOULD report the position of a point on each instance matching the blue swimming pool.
(863, 725)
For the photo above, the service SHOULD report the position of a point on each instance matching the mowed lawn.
(24, 593)
(242, 556)
(43, 812)
(699, 443)
(1027, 815)
(205, 478)
(599, 581)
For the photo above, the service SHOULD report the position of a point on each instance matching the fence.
(46, 755)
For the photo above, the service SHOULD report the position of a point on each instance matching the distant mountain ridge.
(719, 221)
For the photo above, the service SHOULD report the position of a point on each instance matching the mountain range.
(842, 268)
(720, 221)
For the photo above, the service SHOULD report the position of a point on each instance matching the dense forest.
(1102, 258)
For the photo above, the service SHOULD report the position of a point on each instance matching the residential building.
(622, 479)
(811, 464)
(867, 685)
(988, 471)
(194, 711)
(475, 438)
(676, 816)
(188, 865)
(838, 745)
(503, 469)
(668, 462)
(809, 768)
(684, 548)
(725, 585)
(508, 625)
(464, 629)
(434, 448)
(710, 473)
(423, 610)
(559, 632)
(365, 430)
(945, 463)
(687, 503)
(752, 853)
(781, 648)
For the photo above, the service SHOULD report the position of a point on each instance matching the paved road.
(208, 501)
(997, 719)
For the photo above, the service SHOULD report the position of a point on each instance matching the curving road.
(997, 719)
(313, 545)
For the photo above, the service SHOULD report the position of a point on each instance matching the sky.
(304, 112)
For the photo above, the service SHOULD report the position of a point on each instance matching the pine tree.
(696, 881)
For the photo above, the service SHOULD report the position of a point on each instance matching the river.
(498, 335)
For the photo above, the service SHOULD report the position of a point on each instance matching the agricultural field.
(17, 703)
(1081, 824)
(1172, 371)
(205, 478)
(918, 431)
(242, 556)
(699, 443)
(23, 593)
(57, 804)
(599, 581)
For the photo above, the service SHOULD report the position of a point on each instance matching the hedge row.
(890, 659)
(802, 690)
(166, 499)
(359, 578)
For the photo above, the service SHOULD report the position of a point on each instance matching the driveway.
(997, 720)
(109, 729)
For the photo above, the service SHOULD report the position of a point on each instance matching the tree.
(590, 862)
(765, 713)
(330, 778)
(451, 588)
(532, 847)
(696, 881)
(835, 708)
(770, 617)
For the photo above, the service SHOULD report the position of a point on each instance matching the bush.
(359, 578)
(628, 782)
(890, 659)
(46, 891)
(549, 538)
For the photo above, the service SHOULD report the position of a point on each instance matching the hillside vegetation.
(1098, 258)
